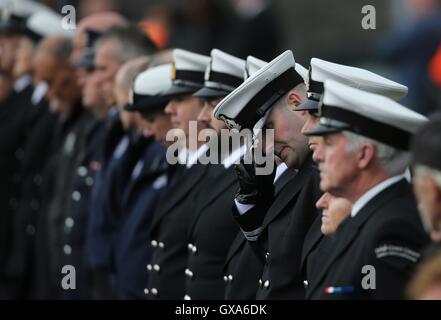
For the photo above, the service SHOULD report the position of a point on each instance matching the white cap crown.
(153, 81)
(253, 99)
(322, 70)
(190, 61)
(253, 64)
(48, 23)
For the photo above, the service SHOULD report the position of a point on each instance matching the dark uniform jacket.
(99, 227)
(312, 259)
(38, 152)
(132, 250)
(79, 247)
(243, 268)
(76, 216)
(372, 254)
(279, 239)
(169, 234)
(14, 112)
(211, 232)
(109, 205)
(70, 142)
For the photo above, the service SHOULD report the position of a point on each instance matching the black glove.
(253, 188)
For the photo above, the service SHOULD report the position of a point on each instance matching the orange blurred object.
(156, 31)
(435, 68)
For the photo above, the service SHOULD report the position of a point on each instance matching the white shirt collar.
(22, 82)
(182, 155)
(234, 156)
(369, 195)
(194, 156)
(39, 92)
(281, 168)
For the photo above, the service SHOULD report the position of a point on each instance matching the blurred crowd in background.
(62, 118)
(404, 43)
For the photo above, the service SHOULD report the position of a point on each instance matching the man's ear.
(436, 190)
(365, 156)
(293, 99)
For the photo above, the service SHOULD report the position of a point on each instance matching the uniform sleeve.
(394, 255)
(243, 208)
(251, 220)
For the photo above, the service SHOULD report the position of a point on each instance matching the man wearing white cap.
(273, 219)
(242, 267)
(320, 71)
(174, 212)
(147, 100)
(366, 138)
(135, 179)
(211, 231)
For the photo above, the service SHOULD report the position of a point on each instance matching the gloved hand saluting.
(254, 188)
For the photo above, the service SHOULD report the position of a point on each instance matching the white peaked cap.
(322, 70)
(48, 23)
(252, 100)
(22, 8)
(187, 60)
(253, 65)
(226, 63)
(188, 72)
(303, 72)
(148, 88)
(367, 114)
(223, 75)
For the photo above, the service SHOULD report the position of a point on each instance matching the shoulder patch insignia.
(388, 250)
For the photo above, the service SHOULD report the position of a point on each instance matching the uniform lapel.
(186, 183)
(154, 164)
(313, 236)
(146, 174)
(226, 180)
(288, 192)
(236, 245)
(286, 177)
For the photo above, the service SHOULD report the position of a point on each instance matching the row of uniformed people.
(185, 241)
(48, 214)
(109, 209)
(135, 225)
(29, 156)
(269, 257)
(376, 234)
